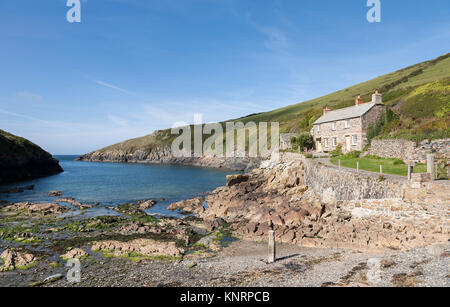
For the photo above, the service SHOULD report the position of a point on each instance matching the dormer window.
(333, 127)
(347, 124)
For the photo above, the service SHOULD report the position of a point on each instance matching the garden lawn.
(373, 165)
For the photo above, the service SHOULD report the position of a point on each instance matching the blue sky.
(133, 66)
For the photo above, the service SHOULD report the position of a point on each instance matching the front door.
(319, 146)
(348, 144)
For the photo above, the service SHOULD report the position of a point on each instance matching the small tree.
(305, 140)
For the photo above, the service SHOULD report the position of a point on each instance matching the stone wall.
(343, 184)
(408, 150)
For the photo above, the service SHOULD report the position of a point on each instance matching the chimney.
(377, 97)
(359, 100)
(326, 110)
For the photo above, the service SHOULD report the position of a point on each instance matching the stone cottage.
(347, 127)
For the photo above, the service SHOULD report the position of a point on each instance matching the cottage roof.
(345, 113)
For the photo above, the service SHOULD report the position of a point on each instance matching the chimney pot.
(359, 100)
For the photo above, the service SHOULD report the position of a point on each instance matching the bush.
(352, 154)
(308, 156)
(398, 161)
(373, 157)
(337, 152)
(305, 140)
(376, 129)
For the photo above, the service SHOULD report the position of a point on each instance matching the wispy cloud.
(102, 83)
(22, 116)
(118, 120)
(28, 96)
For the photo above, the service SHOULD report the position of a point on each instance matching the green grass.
(390, 166)
(12, 144)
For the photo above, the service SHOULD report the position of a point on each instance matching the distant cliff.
(164, 156)
(20, 159)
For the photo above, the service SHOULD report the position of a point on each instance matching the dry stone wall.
(341, 184)
(408, 150)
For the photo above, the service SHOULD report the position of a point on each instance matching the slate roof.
(346, 113)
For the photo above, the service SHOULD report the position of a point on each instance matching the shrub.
(305, 140)
(308, 156)
(373, 157)
(398, 161)
(352, 154)
(337, 152)
(376, 129)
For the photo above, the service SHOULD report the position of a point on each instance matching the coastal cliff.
(155, 148)
(20, 159)
(164, 156)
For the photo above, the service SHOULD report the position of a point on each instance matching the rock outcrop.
(278, 198)
(145, 247)
(156, 148)
(13, 259)
(43, 209)
(75, 253)
(20, 159)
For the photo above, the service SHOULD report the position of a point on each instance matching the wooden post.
(357, 166)
(430, 165)
(272, 248)
(381, 170)
(410, 171)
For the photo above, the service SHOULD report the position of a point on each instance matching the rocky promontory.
(142, 152)
(20, 159)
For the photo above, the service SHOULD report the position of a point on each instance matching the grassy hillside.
(11, 144)
(396, 88)
(418, 94)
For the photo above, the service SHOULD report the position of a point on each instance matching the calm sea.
(111, 184)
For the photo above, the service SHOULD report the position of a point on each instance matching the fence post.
(410, 170)
(357, 166)
(381, 170)
(272, 247)
(430, 165)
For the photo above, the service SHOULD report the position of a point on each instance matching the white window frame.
(354, 139)
(334, 126)
(334, 142)
(326, 142)
(347, 124)
(318, 128)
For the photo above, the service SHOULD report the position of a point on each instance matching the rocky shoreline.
(164, 156)
(276, 197)
(321, 242)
